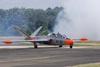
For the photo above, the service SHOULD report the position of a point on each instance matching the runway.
(50, 56)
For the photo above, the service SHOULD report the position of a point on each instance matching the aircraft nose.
(68, 41)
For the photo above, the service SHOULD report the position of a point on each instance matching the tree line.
(27, 19)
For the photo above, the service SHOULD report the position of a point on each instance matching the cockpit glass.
(57, 35)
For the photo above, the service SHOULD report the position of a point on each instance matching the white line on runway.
(18, 47)
(85, 47)
(27, 59)
(74, 47)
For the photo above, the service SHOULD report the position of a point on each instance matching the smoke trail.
(79, 18)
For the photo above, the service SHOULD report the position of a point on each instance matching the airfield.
(47, 56)
(24, 55)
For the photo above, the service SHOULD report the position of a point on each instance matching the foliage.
(27, 19)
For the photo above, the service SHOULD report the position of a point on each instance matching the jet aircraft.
(50, 39)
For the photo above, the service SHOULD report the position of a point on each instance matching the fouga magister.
(50, 39)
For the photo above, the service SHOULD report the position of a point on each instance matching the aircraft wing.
(14, 41)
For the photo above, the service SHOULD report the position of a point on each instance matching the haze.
(80, 18)
(36, 4)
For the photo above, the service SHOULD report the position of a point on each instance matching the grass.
(88, 65)
(87, 43)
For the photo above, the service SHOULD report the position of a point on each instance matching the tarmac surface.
(47, 56)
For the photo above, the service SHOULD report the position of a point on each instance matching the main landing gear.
(71, 46)
(35, 46)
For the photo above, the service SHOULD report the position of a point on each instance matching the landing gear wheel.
(35, 46)
(71, 46)
(60, 45)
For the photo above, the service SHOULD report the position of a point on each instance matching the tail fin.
(36, 31)
(21, 32)
(25, 35)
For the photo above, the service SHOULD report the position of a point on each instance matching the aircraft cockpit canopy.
(52, 34)
(57, 35)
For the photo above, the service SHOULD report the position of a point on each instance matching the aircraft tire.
(35, 46)
(60, 45)
(71, 46)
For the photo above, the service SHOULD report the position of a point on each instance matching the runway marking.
(85, 47)
(22, 47)
(26, 59)
(66, 47)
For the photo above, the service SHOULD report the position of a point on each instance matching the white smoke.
(79, 18)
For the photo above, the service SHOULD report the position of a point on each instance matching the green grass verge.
(88, 43)
(88, 65)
